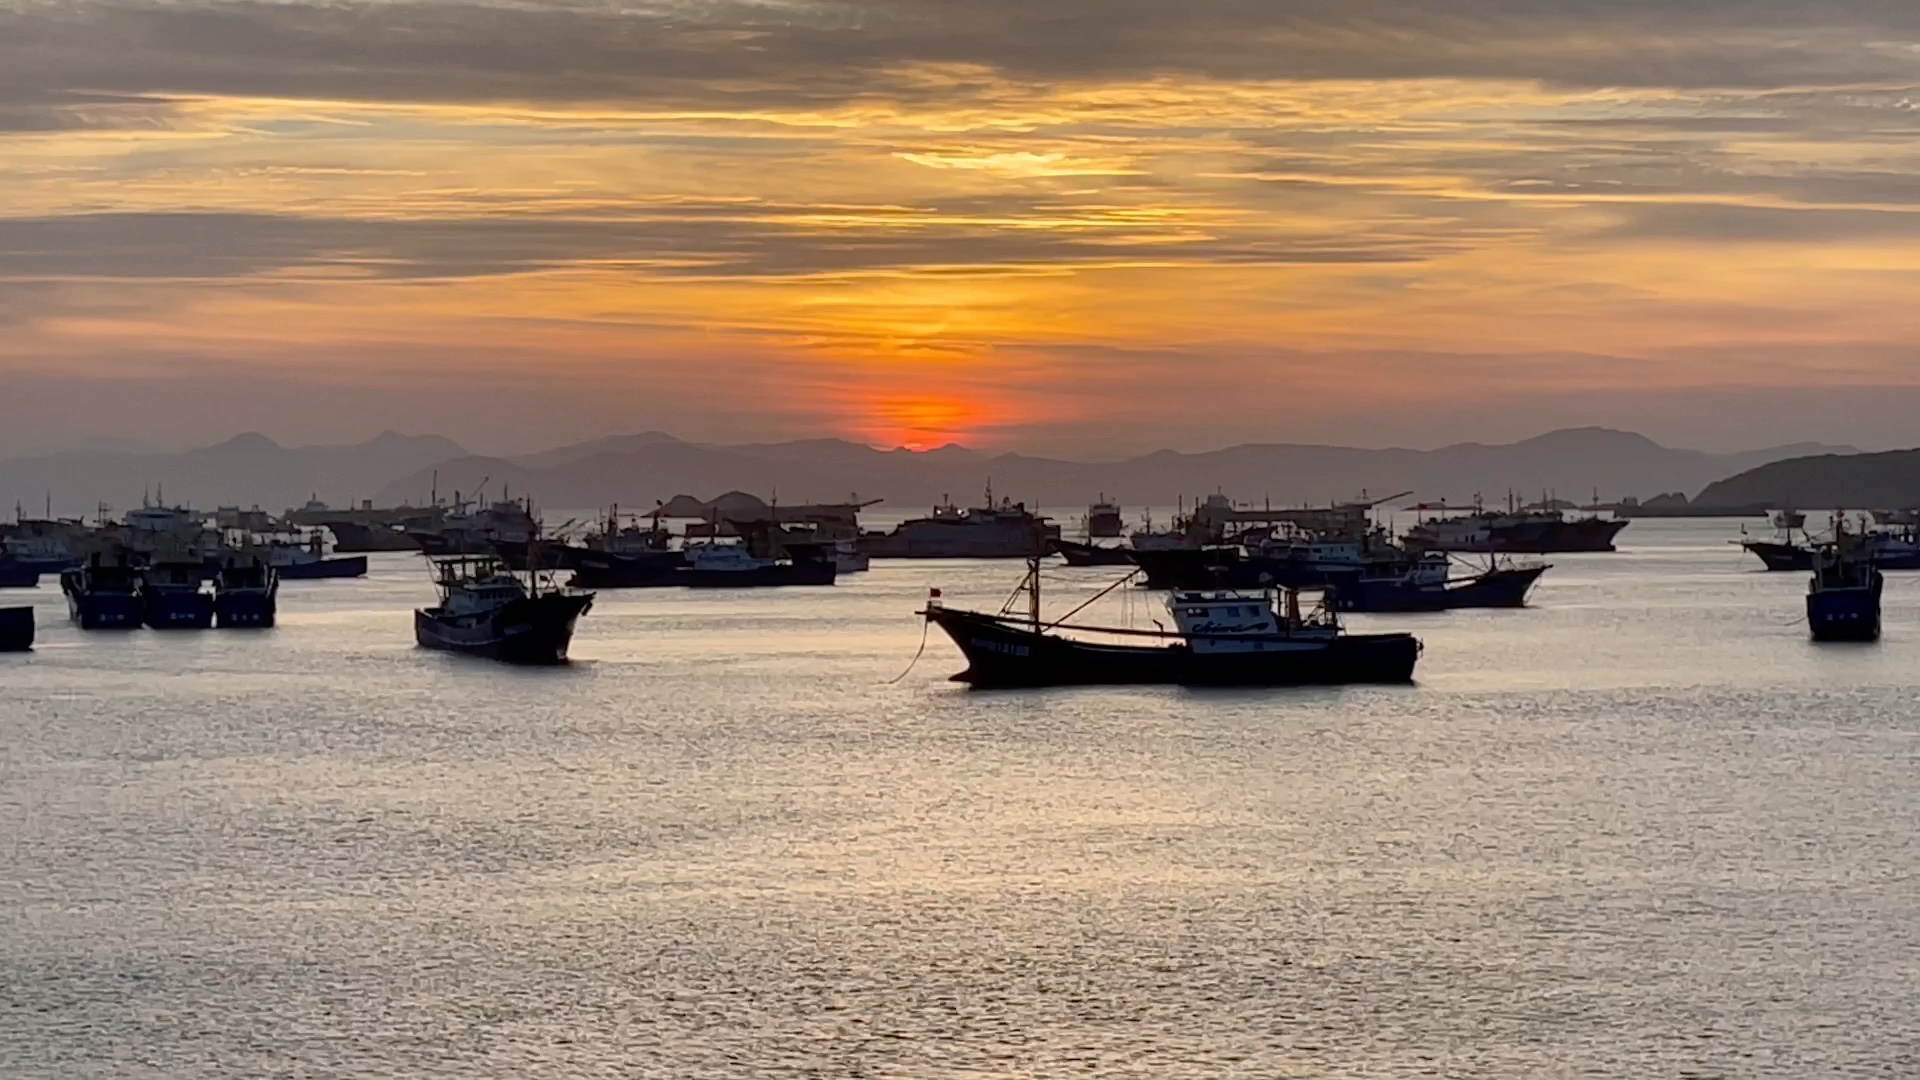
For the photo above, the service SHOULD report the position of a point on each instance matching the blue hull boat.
(1843, 599)
(103, 594)
(244, 596)
(173, 599)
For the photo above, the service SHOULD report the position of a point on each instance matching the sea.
(1644, 828)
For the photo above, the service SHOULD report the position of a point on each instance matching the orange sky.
(911, 223)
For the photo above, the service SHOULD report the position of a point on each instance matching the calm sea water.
(1646, 829)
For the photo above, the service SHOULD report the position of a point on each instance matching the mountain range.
(636, 470)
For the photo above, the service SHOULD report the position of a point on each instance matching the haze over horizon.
(1084, 228)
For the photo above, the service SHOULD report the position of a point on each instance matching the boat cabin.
(474, 585)
(1215, 622)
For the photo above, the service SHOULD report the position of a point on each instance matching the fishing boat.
(1221, 638)
(309, 561)
(1888, 549)
(733, 566)
(360, 536)
(486, 610)
(103, 593)
(19, 575)
(45, 546)
(1430, 586)
(244, 593)
(173, 595)
(1843, 598)
(16, 629)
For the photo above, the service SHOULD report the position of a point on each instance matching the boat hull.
(16, 629)
(15, 575)
(1780, 558)
(1078, 554)
(1494, 589)
(536, 630)
(177, 609)
(353, 538)
(250, 609)
(600, 570)
(1003, 656)
(351, 567)
(1544, 538)
(101, 609)
(1845, 614)
(822, 572)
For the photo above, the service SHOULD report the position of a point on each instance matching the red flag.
(933, 594)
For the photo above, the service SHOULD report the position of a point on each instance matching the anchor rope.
(926, 625)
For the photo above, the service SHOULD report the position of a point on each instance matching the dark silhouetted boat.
(485, 610)
(173, 595)
(1514, 532)
(16, 629)
(310, 561)
(1843, 598)
(244, 593)
(1003, 530)
(1888, 549)
(1103, 520)
(1430, 586)
(19, 575)
(1081, 554)
(103, 593)
(1222, 638)
(639, 570)
(360, 536)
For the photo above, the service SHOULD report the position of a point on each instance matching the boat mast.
(1033, 592)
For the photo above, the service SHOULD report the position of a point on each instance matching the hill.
(1853, 481)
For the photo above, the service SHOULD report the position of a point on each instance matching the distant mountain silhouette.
(637, 470)
(245, 470)
(1826, 481)
(1573, 463)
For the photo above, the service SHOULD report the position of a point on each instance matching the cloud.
(737, 55)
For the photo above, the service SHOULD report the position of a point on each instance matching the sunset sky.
(1074, 226)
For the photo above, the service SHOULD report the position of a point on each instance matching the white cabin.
(724, 557)
(1221, 622)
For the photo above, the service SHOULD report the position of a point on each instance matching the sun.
(921, 421)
